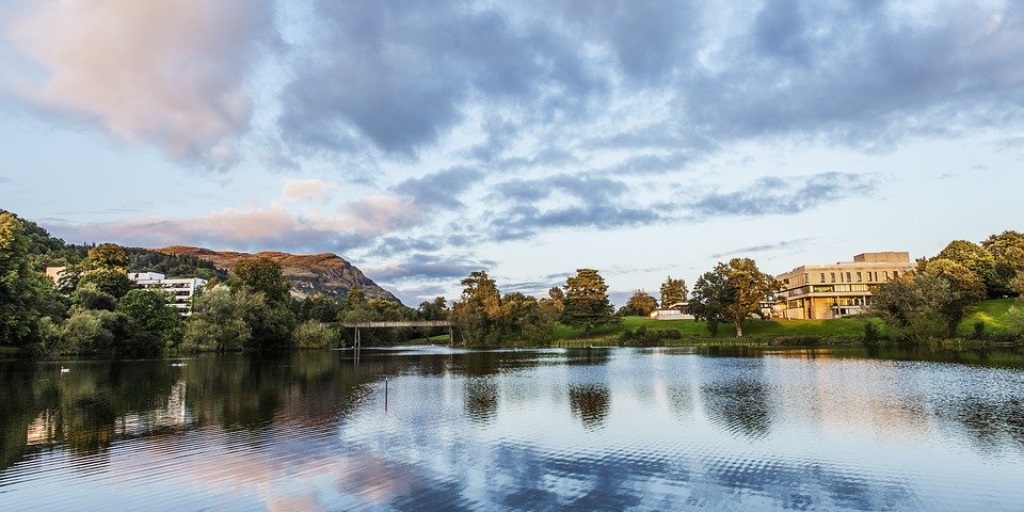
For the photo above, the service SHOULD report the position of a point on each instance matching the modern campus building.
(838, 290)
(181, 290)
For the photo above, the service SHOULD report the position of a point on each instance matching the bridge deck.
(416, 323)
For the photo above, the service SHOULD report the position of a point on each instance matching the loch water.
(430, 429)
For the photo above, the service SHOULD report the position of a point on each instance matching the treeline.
(932, 301)
(96, 309)
(485, 318)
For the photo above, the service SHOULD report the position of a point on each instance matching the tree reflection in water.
(738, 399)
(590, 403)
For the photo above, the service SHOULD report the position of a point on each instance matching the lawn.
(993, 313)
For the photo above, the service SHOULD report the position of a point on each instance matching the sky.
(425, 139)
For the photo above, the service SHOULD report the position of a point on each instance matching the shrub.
(871, 334)
(313, 334)
(979, 329)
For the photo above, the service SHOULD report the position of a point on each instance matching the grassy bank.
(993, 314)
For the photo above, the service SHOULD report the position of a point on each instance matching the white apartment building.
(181, 290)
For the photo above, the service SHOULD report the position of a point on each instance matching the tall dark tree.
(152, 324)
(586, 300)
(710, 295)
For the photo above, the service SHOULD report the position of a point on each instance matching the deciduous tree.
(26, 296)
(1007, 248)
(152, 324)
(976, 259)
(733, 291)
(965, 288)
(907, 305)
(478, 311)
(262, 275)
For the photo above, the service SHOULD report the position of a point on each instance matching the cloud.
(166, 72)
(316, 191)
(583, 187)
(440, 189)
(379, 215)
(399, 75)
(772, 195)
(361, 223)
(429, 267)
(744, 251)
(861, 74)
(525, 221)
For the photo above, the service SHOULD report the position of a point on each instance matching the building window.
(833, 277)
(895, 274)
(886, 273)
(848, 280)
(858, 277)
(822, 277)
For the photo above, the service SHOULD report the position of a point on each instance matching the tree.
(107, 256)
(110, 280)
(586, 300)
(26, 296)
(554, 303)
(973, 257)
(436, 309)
(217, 322)
(965, 288)
(318, 307)
(1017, 285)
(733, 292)
(673, 291)
(1007, 249)
(262, 275)
(88, 296)
(152, 324)
(478, 311)
(639, 304)
(907, 305)
(711, 293)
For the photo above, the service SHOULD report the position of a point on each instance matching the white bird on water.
(64, 370)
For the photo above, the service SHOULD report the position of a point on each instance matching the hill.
(325, 273)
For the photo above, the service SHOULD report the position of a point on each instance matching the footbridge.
(386, 325)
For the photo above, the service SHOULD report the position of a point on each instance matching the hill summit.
(325, 273)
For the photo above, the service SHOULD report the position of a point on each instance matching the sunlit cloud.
(316, 191)
(166, 72)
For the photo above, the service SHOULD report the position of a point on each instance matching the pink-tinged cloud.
(165, 72)
(317, 191)
(382, 214)
(256, 229)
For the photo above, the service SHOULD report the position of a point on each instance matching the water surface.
(436, 429)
